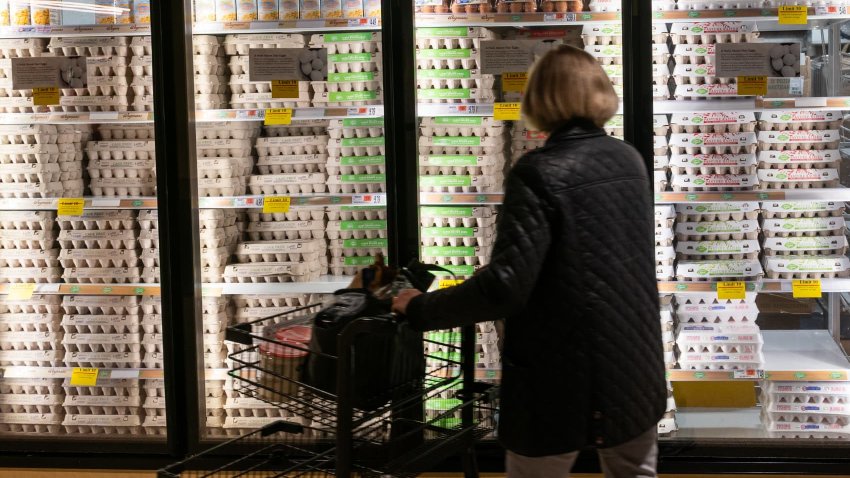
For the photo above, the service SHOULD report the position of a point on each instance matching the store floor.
(21, 473)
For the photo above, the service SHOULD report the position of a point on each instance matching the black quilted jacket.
(573, 273)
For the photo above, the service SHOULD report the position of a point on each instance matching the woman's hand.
(403, 299)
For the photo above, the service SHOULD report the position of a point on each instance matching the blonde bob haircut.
(568, 85)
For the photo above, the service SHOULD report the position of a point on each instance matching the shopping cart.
(342, 417)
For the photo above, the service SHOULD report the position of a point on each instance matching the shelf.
(325, 285)
(255, 202)
(719, 423)
(829, 194)
(289, 26)
(838, 103)
(91, 289)
(74, 30)
(76, 118)
(441, 199)
(513, 19)
(764, 17)
(789, 355)
(428, 110)
(51, 204)
(766, 285)
(303, 114)
(103, 373)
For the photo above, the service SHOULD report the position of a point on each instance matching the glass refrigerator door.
(472, 61)
(80, 343)
(751, 179)
(291, 177)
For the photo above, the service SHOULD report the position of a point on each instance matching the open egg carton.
(111, 407)
(31, 406)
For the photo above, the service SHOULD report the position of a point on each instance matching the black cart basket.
(369, 397)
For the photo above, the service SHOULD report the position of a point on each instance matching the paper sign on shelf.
(806, 289)
(45, 96)
(21, 291)
(278, 116)
(514, 82)
(273, 204)
(284, 89)
(731, 290)
(748, 374)
(793, 15)
(506, 111)
(84, 377)
(752, 85)
(446, 283)
(70, 206)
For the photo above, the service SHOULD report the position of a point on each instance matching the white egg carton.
(294, 183)
(36, 220)
(224, 148)
(37, 190)
(803, 227)
(213, 218)
(35, 404)
(289, 230)
(151, 275)
(356, 229)
(104, 360)
(788, 209)
(28, 340)
(151, 305)
(210, 257)
(665, 255)
(479, 222)
(798, 178)
(460, 95)
(297, 163)
(22, 47)
(800, 120)
(30, 322)
(800, 414)
(802, 159)
(101, 404)
(660, 75)
(38, 134)
(821, 245)
(38, 275)
(101, 86)
(719, 318)
(704, 92)
(357, 213)
(714, 182)
(224, 168)
(98, 239)
(462, 183)
(298, 128)
(484, 238)
(204, 85)
(432, 59)
(241, 44)
(665, 215)
(94, 258)
(272, 272)
(692, 164)
(357, 247)
(711, 250)
(123, 187)
(29, 258)
(347, 83)
(717, 211)
(664, 237)
(713, 122)
(89, 46)
(122, 132)
(218, 237)
(280, 251)
(148, 220)
(32, 173)
(141, 65)
(353, 98)
(71, 104)
(30, 423)
(795, 140)
(124, 168)
(605, 34)
(731, 348)
(211, 69)
(292, 145)
(374, 146)
(102, 275)
(357, 183)
(265, 101)
(719, 270)
(103, 343)
(37, 304)
(294, 214)
(108, 66)
(478, 261)
(223, 130)
(37, 153)
(109, 305)
(219, 187)
(458, 145)
(713, 143)
(282, 300)
(102, 424)
(717, 230)
(145, 103)
(240, 84)
(355, 165)
(806, 267)
(722, 361)
(712, 32)
(821, 393)
(93, 219)
(143, 86)
(353, 42)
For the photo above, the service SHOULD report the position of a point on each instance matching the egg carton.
(101, 343)
(699, 75)
(94, 305)
(102, 404)
(830, 415)
(356, 183)
(220, 236)
(38, 134)
(282, 300)
(122, 168)
(292, 145)
(295, 214)
(28, 340)
(102, 424)
(302, 128)
(717, 211)
(30, 423)
(712, 32)
(204, 84)
(78, 104)
(101, 86)
(93, 219)
(360, 63)
(269, 272)
(789, 209)
(288, 230)
(459, 95)
(104, 360)
(27, 220)
(712, 164)
(108, 66)
(102, 275)
(352, 98)
(357, 247)
(660, 75)
(718, 270)
(665, 215)
(803, 227)
(31, 238)
(129, 132)
(280, 251)
(353, 42)
(663, 237)
(224, 148)
(151, 305)
(460, 183)
(827, 245)
(35, 404)
(37, 153)
(722, 361)
(142, 65)
(241, 44)
(295, 183)
(443, 261)
(605, 34)
(714, 182)
(808, 392)
(719, 314)
(210, 257)
(37, 304)
(89, 46)
(148, 220)
(717, 230)
(22, 47)
(219, 187)
(357, 213)
(114, 387)
(37, 190)
(665, 255)
(289, 164)
(95, 258)
(37, 258)
(721, 333)
(35, 173)
(356, 147)
(744, 249)
(479, 222)
(806, 267)
(227, 130)
(458, 145)
(151, 275)
(145, 103)
(38, 275)
(241, 84)
(802, 159)
(202, 102)
(355, 165)
(732, 348)
(373, 229)
(733, 122)
(712, 143)
(224, 168)
(800, 120)
(798, 178)
(454, 80)
(98, 239)
(265, 101)
(797, 140)
(704, 92)
(347, 83)
(30, 322)
(251, 314)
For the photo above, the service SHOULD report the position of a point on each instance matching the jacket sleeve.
(523, 237)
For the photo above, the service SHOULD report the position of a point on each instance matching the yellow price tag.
(285, 89)
(793, 15)
(806, 289)
(731, 290)
(278, 116)
(21, 291)
(273, 204)
(45, 96)
(514, 82)
(70, 206)
(506, 111)
(84, 377)
(446, 283)
(752, 85)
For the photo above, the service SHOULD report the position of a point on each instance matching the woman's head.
(566, 85)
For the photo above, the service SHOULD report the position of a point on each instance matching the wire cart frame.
(332, 428)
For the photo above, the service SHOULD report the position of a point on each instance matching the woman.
(573, 273)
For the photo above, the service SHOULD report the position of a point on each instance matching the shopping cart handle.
(281, 426)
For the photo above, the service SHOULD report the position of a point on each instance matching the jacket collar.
(575, 129)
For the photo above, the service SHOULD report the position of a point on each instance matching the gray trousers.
(635, 459)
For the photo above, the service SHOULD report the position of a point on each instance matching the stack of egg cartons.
(100, 247)
(474, 222)
(28, 250)
(245, 94)
(713, 151)
(141, 67)
(665, 254)
(524, 139)
(210, 66)
(804, 240)
(448, 69)
(605, 43)
(225, 159)
(123, 162)
(694, 54)
(355, 156)
(353, 70)
(31, 406)
(661, 153)
(717, 242)
(660, 62)
(111, 407)
(667, 424)
(40, 161)
(219, 235)
(153, 405)
(149, 242)
(154, 389)
(98, 319)
(718, 334)
(293, 160)
(18, 101)
(25, 322)
(108, 86)
(807, 410)
(364, 227)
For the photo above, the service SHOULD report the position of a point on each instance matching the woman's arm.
(523, 237)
